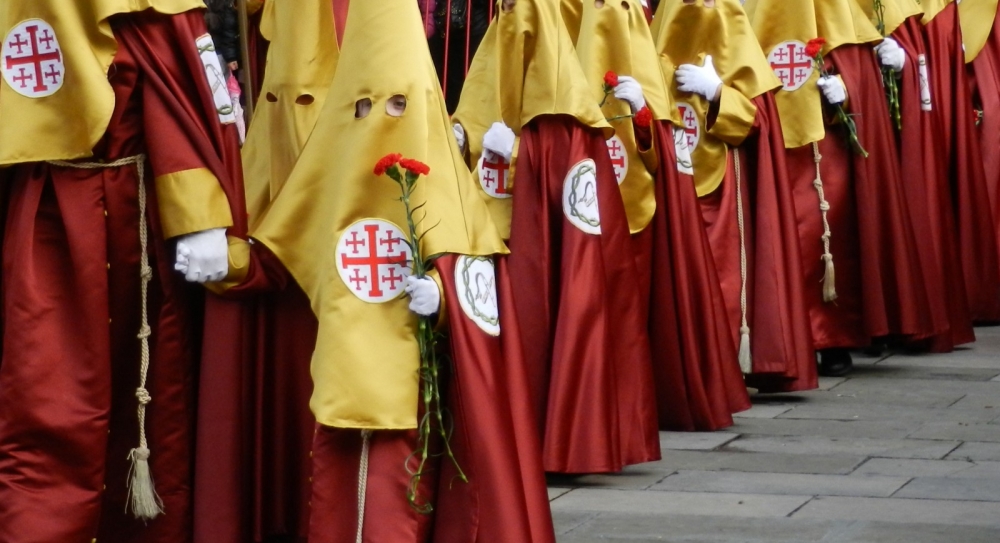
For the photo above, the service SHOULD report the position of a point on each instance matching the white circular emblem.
(374, 260)
(494, 175)
(580, 197)
(475, 277)
(791, 64)
(690, 125)
(684, 163)
(619, 158)
(31, 61)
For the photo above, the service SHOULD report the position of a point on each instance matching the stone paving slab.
(980, 470)
(763, 412)
(988, 403)
(904, 467)
(757, 462)
(631, 478)
(959, 431)
(956, 361)
(948, 488)
(820, 410)
(783, 483)
(828, 428)
(903, 511)
(885, 448)
(635, 502)
(695, 441)
(976, 451)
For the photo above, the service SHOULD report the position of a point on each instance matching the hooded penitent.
(302, 58)
(336, 226)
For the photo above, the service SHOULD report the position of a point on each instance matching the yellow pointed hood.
(895, 12)
(783, 24)
(933, 7)
(977, 17)
(301, 60)
(366, 358)
(63, 114)
(538, 68)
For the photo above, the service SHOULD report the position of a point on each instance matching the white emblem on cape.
(580, 197)
(31, 60)
(216, 79)
(475, 277)
(684, 163)
(791, 64)
(374, 260)
(494, 175)
(619, 158)
(925, 85)
(690, 125)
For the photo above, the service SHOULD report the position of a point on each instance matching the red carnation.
(643, 117)
(415, 166)
(611, 79)
(387, 162)
(814, 47)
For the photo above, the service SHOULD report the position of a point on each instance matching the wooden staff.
(246, 72)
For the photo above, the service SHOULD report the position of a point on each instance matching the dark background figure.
(456, 26)
(223, 24)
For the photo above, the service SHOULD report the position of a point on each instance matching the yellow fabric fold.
(977, 17)
(895, 12)
(66, 124)
(365, 362)
(239, 266)
(932, 8)
(735, 117)
(191, 201)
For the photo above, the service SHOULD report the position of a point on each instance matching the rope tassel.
(366, 440)
(829, 273)
(745, 359)
(146, 504)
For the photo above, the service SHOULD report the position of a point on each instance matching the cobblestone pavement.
(905, 450)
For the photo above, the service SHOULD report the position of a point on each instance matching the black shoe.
(835, 362)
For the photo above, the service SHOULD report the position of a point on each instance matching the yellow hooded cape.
(977, 17)
(615, 37)
(686, 34)
(895, 12)
(539, 73)
(366, 358)
(932, 8)
(67, 123)
(776, 22)
(301, 61)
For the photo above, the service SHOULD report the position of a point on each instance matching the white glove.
(833, 90)
(425, 298)
(203, 256)
(891, 55)
(629, 90)
(459, 136)
(703, 80)
(500, 139)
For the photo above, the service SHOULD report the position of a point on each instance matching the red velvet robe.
(780, 341)
(71, 307)
(928, 197)
(975, 220)
(584, 338)
(984, 76)
(493, 438)
(695, 368)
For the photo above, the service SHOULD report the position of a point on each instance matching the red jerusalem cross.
(372, 261)
(35, 58)
(797, 65)
(690, 127)
(617, 153)
(498, 169)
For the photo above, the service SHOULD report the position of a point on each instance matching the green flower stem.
(888, 75)
(842, 115)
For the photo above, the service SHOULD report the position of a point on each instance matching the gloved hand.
(203, 256)
(500, 139)
(629, 90)
(459, 132)
(425, 298)
(833, 90)
(891, 55)
(703, 80)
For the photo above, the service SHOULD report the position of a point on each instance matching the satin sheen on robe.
(781, 345)
(975, 221)
(892, 284)
(71, 278)
(985, 71)
(695, 368)
(928, 197)
(583, 336)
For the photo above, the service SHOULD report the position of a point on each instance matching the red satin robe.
(975, 220)
(695, 368)
(984, 75)
(71, 300)
(780, 343)
(582, 331)
(929, 199)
